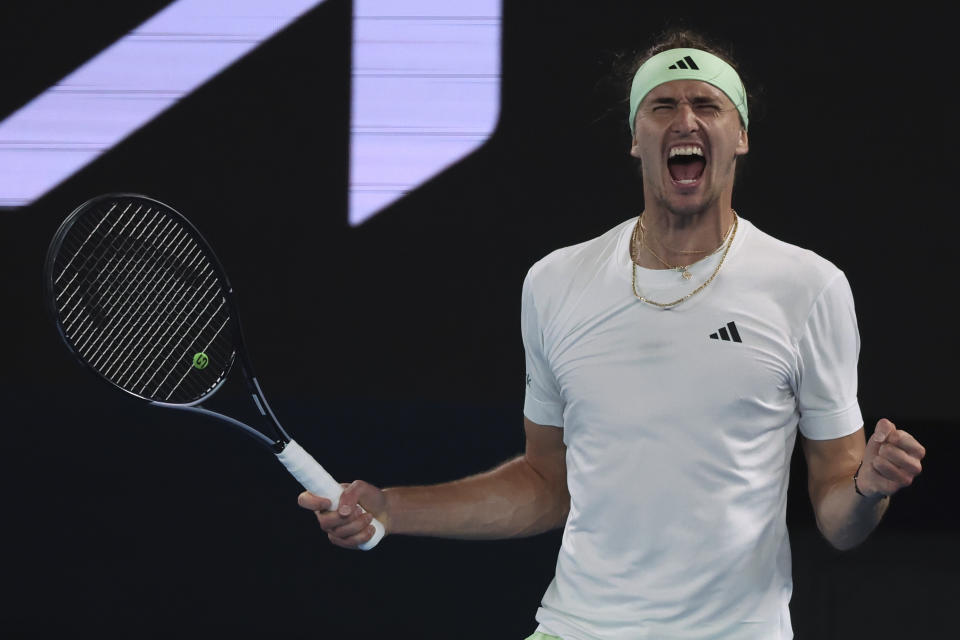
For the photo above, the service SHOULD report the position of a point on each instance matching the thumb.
(353, 494)
(880, 434)
(348, 499)
(883, 430)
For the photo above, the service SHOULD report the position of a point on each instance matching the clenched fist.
(890, 462)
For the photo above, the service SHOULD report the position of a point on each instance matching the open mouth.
(686, 164)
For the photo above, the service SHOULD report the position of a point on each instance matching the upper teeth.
(686, 151)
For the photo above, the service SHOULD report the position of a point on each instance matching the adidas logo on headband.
(707, 68)
(689, 64)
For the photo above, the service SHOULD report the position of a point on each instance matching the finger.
(360, 493)
(891, 473)
(330, 520)
(350, 498)
(352, 527)
(333, 520)
(905, 461)
(340, 542)
(908, 443)
(354, 541)
(883, 430)
(880, 433)
(314, 503)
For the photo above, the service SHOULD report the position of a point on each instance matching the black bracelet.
(857, 489)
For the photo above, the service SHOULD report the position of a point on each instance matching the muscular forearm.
(846, 518)
(512, 500)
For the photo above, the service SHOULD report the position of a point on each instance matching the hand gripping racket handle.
(317, 481)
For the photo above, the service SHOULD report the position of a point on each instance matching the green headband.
(687, 64)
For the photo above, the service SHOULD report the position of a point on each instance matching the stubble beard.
(687, 212)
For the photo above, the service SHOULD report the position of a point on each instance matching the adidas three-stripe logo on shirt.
(728, 333)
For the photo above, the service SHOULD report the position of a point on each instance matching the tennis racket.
(139, 298)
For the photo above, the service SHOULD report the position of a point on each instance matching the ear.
(635, 147)
(743, 143)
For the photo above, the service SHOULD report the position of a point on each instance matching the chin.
(687, 206)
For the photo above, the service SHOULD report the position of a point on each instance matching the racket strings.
(188, 370)
(86, 296)
(121, 351)
(132, 335)
(158, 299)
(116, 304)
(139, 336)
(89, 254)
(176, 338)
(105, 302)
(138, 298)
(83, 244)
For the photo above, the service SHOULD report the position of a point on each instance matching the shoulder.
(579, 263)
(780, 262)
(788, 281)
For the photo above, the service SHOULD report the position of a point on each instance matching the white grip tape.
(317, 481)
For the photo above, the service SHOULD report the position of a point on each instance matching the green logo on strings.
(200, 360)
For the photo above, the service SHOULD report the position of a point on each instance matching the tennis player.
(670, 364)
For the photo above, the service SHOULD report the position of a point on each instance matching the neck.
(680, 239)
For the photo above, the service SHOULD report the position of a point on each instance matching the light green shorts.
(542, 636)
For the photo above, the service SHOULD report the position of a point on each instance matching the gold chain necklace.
(683, 270)
(667, 305)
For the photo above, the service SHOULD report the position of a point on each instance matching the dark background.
(392, 351)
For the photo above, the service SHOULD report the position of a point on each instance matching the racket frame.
(298, 462)
(276, 444)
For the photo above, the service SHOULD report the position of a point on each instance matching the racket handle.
(317, 481)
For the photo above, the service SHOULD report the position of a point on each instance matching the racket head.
(138, 296)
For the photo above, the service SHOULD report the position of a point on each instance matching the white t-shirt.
(679, 426)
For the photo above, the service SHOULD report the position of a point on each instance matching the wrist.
(865, 491)
(389, 506)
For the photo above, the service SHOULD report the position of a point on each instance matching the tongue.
(687, 169)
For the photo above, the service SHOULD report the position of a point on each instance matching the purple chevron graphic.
(426, 84)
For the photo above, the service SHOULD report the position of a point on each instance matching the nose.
(684, 120)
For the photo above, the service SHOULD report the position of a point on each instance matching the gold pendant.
(686, 274)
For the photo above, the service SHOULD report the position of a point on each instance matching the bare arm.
(890, 462)
(843, 517)
(521, 497)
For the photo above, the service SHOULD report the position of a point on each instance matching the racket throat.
(260, 400)
(275, 445)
